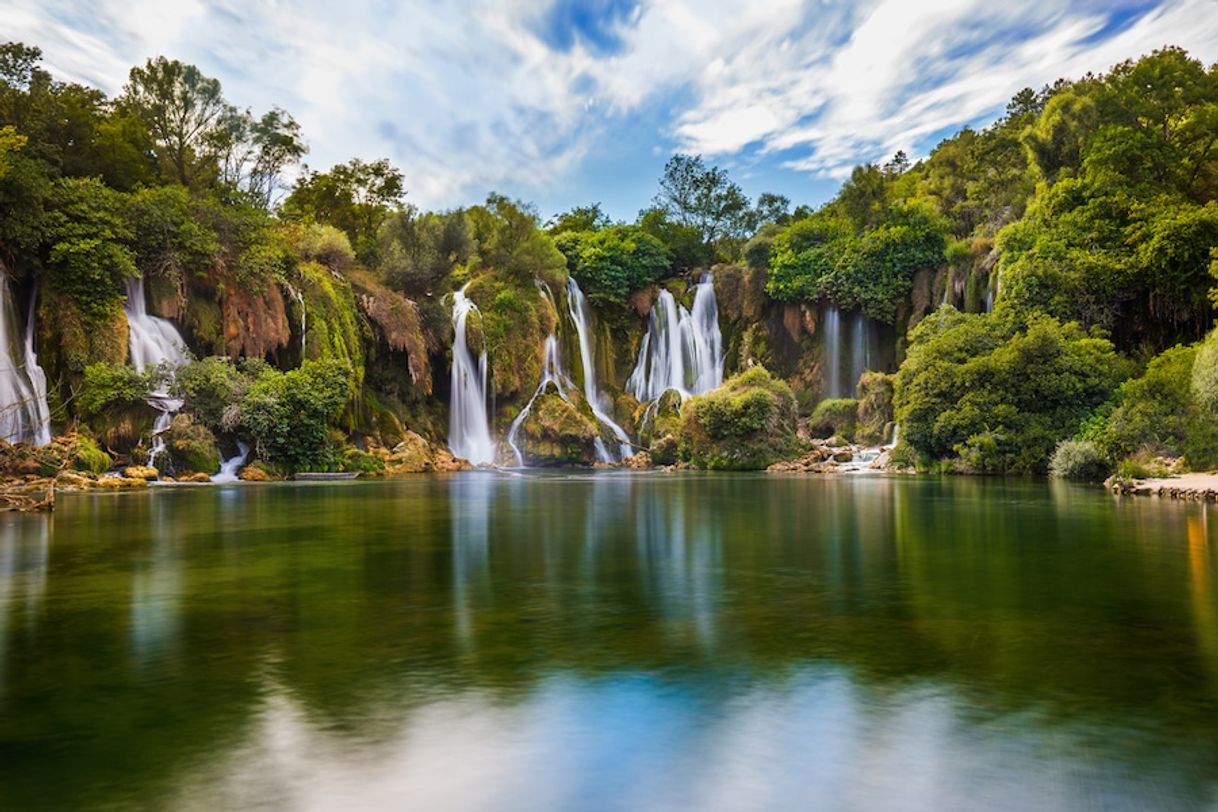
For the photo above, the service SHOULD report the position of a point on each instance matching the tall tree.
(252, 153)
(356, 196)
(703, 197)
(182, 108)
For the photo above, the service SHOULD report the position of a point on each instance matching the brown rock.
(251, 473)
(196, 477)
(144, 472)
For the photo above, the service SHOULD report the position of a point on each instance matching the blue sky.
(562, 102)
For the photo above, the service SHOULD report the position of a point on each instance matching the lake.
(611, 641)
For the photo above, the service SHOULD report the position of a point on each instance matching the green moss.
(354, 460)
(556, 432)
(875, 391)
(747, 423)
(834, 417)
(514, 324)
(192, 447)
(332, 319)
(87, 455)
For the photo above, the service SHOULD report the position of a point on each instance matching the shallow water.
(610, 641)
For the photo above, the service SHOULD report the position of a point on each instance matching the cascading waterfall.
(551, 373)
(577, 306)
(230, 466)
(682, 350)
(154, 343)
(833, 352)
(991, 291)
(24, 413)
(860, 351)
(469, 433)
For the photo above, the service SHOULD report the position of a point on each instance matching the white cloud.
(467, 97)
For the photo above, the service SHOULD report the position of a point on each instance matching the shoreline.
(1196, 487)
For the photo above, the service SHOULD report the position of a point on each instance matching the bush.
(110, 386)
(1080, 461)
(192, 447)
(289, 413)
(836, 416)
(874, 407)
(997, 393)
(1205, 374)
(747, 423)
(212, 389)
(355, 460)
(611, 263)
(1158, 412)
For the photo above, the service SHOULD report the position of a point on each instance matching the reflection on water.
(611, 641)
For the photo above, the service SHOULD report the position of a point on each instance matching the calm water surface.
(610, 642)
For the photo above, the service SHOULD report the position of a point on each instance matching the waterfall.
(154, 344)
(991, 291)
(896, 431)
(577, 306)
(24, 413)
(304, 322)
(551, 373)
(860, 351)
(833, 352)
(682, 350)
(230, 467)
(469, 433)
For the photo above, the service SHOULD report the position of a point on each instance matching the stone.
(252, 473)
(144, 472)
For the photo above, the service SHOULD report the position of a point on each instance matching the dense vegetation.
(1045, 283)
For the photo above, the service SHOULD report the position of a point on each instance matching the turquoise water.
(610, 641)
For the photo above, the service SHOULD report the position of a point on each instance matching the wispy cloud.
(516, 95)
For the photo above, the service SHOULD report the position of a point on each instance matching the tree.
(771, 209)
(704, 198)
(509, 238)
(612, 263)
(580, 218)
(182, 108)
(356, 196)
(253, 153)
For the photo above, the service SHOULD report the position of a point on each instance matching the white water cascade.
(577, 306)
(469, 432)
(682, 350)
(833, 353)
(230, 466)
(551, 373)
(860, 351)
(154, 343)
(24, 414)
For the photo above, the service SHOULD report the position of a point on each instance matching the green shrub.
(745, 424)
(211, 388)
(289, 413)
(874, 407)
(192, 447)
(1080, 461)
(1205, 374)
(355, 460)
(999, 393)
(110, 386)
(836, 416)
(1159, 413)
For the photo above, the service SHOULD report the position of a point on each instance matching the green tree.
(182, 109)
(611, 263)
(704, 197)
(357, 197)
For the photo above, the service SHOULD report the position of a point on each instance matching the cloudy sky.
(564, 102)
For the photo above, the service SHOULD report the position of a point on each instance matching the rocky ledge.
(1187, 487)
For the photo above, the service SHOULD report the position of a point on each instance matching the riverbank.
(1199, 487)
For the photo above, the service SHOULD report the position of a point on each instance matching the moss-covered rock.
(515, 320)
(192, 447)
(834, 417)
(557, 432)
(746, 424)
(875, 391)
(87, 455)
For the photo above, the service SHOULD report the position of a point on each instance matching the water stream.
(24, 414)
(469, 432)
(154, 344)
(682, 350)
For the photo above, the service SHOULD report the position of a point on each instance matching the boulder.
(144, 472)
(556, 432)
(252, 473)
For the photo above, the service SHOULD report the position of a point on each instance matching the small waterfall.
(683, 349)
(154, 344)
(469, 433)
(991, 291)
(231, 466)
(577, 306)
(551, 373)
(833, 352)
(304, 321)
(896, 431)
(24, 413)
(860, 351)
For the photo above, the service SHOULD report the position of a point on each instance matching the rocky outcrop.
(1187, 487)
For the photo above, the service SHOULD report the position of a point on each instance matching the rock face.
(748, 423)
(415, 455)
(556, 432)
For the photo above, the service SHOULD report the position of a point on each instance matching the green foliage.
(702, 197)
(87, 455)
(509, 239)
(875, 392)
(289, 413)
(420, 250)
(211, 389)
(683, 242)
(835, 416)
(1079, 460)
(1205, 374)
(580, 218)
(1157, 411)
(820, 256)
(192, 447)
(87, 234)
(362, 462)
(172, 233)
(356, 197)
(748, 423)
(612, 263)
(997, 393)
(109, 386)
